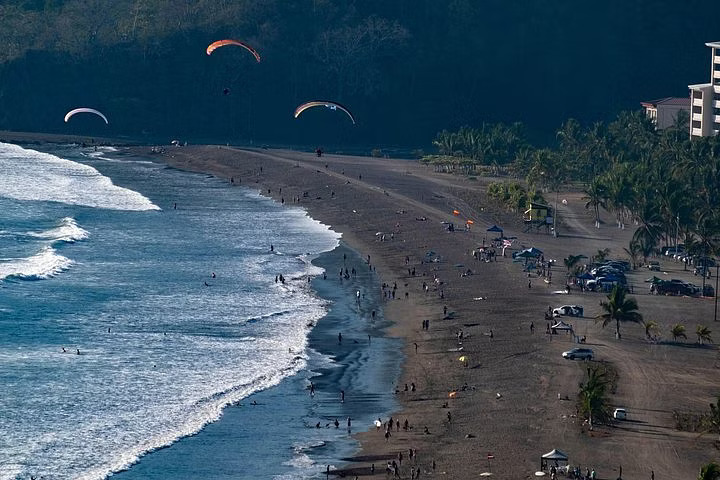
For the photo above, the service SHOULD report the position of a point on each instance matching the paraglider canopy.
(85, 110)
(221, 43)
(322, 103)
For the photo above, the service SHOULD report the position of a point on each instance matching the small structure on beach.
(554, 458)
(537, 216)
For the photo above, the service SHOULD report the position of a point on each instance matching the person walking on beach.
(312, 389)
(339, 338)
(532, 327)
(342, 396)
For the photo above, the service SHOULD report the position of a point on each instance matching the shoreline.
(515, 395)
(353, 366)
(507, 403)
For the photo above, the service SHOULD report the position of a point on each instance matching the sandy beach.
(516, 398)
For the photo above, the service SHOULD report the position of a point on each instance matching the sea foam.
(44, 264)
(31, 175)
(67, 230)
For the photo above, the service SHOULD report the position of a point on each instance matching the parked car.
(569, 310)
(672, 251)
(673, 287)
(620, 414)
(653, 266)
(580, 353)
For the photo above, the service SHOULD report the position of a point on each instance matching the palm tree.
(596, 196)
(715, 416)
(703, 334)
(709, 471)
(634, 251)
(592, 395)
(650, 327)
(678, 331)
(571, 263)
(601, 255)
(618, 308)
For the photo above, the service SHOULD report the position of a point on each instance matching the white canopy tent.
(555, 456)
(562, 326)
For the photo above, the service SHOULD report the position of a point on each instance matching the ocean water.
(139, 309)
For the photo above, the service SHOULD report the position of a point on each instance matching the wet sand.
(516, 398)
(516, 395)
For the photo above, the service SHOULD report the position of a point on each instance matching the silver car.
(580, 353)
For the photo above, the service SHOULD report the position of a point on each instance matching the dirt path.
(511, 397)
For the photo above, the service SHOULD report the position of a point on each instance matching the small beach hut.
(538, 212)
(553, 457)
(495, 228)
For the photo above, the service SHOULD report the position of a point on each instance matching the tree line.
(660, 181)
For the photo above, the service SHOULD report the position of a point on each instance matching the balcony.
(696, 132)
(697, 117)
(697, 102)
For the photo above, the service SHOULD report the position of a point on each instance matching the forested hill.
(406, 68)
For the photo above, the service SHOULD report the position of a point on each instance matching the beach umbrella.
(464, 358)
(456, 212)
(469, 222)
(525, 254)
(495, 228)
(452, 394)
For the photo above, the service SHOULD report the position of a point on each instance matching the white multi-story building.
(705, 100)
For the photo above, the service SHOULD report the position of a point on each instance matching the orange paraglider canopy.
(221, 43)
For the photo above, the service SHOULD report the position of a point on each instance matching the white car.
(620, 414)
(569, 310)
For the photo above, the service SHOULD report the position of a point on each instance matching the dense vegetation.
(660, 181)
(407, 68)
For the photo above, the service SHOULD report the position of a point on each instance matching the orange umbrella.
(456, 212)
(469, 222)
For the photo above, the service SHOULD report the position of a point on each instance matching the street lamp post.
(555, 213)
(717, 271)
